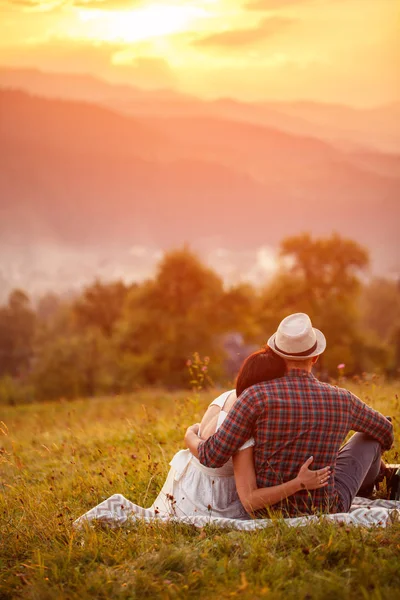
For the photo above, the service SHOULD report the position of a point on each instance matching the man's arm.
(234, 431)
(368, 420)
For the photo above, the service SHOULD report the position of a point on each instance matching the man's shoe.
(393, 482)
(369, 491)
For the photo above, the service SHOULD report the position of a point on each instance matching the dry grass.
(60, 459)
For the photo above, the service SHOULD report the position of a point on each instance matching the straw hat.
(296, 338)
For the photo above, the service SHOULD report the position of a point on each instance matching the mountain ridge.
(293, 117)
(82, 191)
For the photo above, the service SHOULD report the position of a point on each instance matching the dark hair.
(262, 365)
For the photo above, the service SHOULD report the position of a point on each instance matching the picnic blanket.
(117, 511)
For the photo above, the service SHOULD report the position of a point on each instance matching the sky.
(340, 51)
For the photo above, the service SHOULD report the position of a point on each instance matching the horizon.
(169, 90)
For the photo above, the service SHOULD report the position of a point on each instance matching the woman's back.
(191, 488)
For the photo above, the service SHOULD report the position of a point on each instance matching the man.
(297, 416)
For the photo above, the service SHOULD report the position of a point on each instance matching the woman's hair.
(262, 365)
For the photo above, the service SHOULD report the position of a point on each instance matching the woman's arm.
(254, 498)
(192, 439)
(208, 425)
(209, 421)
(210, 428)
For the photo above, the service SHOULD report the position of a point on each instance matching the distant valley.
(92, 176)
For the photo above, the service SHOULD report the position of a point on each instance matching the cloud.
(107, 4)
(61, 55)
(273, 4)
(20, 3)
(145, 72)
(117, 62)
(246, 36)
(53, 5)
(37, 6)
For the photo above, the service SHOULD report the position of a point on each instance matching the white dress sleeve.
(220, 400)
(221, 418)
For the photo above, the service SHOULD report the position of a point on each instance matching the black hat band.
(305, 353)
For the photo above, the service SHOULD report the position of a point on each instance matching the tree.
(172, 316)
(48, 307)
(325, 266)
(238, 311)
(381, 307)
(17, 332)
(322, 278)
(100, 306)
(69, 366)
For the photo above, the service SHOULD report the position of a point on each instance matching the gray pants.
(357, 467)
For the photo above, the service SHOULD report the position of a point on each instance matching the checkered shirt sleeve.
(236, 429)
(367, 420)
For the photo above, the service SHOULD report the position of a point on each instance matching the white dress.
(192, 489)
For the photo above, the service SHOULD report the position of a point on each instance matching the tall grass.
(58, 460)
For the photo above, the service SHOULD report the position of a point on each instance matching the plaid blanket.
(117, 511)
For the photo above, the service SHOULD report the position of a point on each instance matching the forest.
(184, 325)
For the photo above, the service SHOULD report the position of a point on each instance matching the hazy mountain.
(74, 86)
(347, 127)
(76, 126)
(378, 127)
(385, 164)
(94, 184)
(267, 154)
(344, 126)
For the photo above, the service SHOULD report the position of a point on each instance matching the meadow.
(59, 459)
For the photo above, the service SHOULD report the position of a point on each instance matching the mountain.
(81, 180)
(72, 86)
(78, 127)
(345, 127)
(377, 127)
(385, 164)
(267, 154)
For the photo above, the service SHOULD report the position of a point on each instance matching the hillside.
(83, 178)
(74, 126)
(376, 128)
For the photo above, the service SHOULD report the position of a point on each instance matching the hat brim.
(321, 345)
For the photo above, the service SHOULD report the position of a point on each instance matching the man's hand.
(192, 439)
(312, 480)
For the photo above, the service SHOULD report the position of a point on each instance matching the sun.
(143, 23)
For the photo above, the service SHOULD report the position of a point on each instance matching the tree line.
(116, 337)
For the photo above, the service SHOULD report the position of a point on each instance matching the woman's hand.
(312, 480)
(192, 439)
(193, 429)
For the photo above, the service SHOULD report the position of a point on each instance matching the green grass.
(58, 460)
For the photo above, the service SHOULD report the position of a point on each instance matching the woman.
(192, 489)
(230, 491)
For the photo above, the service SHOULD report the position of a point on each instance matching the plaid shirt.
(291, 419)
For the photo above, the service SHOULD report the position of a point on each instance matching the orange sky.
(330, 50)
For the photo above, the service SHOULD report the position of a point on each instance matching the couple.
(253, 449)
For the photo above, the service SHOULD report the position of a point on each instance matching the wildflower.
(206, 360)
(189, 363)
(204, 369)
(341, 366)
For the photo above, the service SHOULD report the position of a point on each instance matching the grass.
(60, 459)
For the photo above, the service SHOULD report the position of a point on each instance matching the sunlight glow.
(143, 23)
